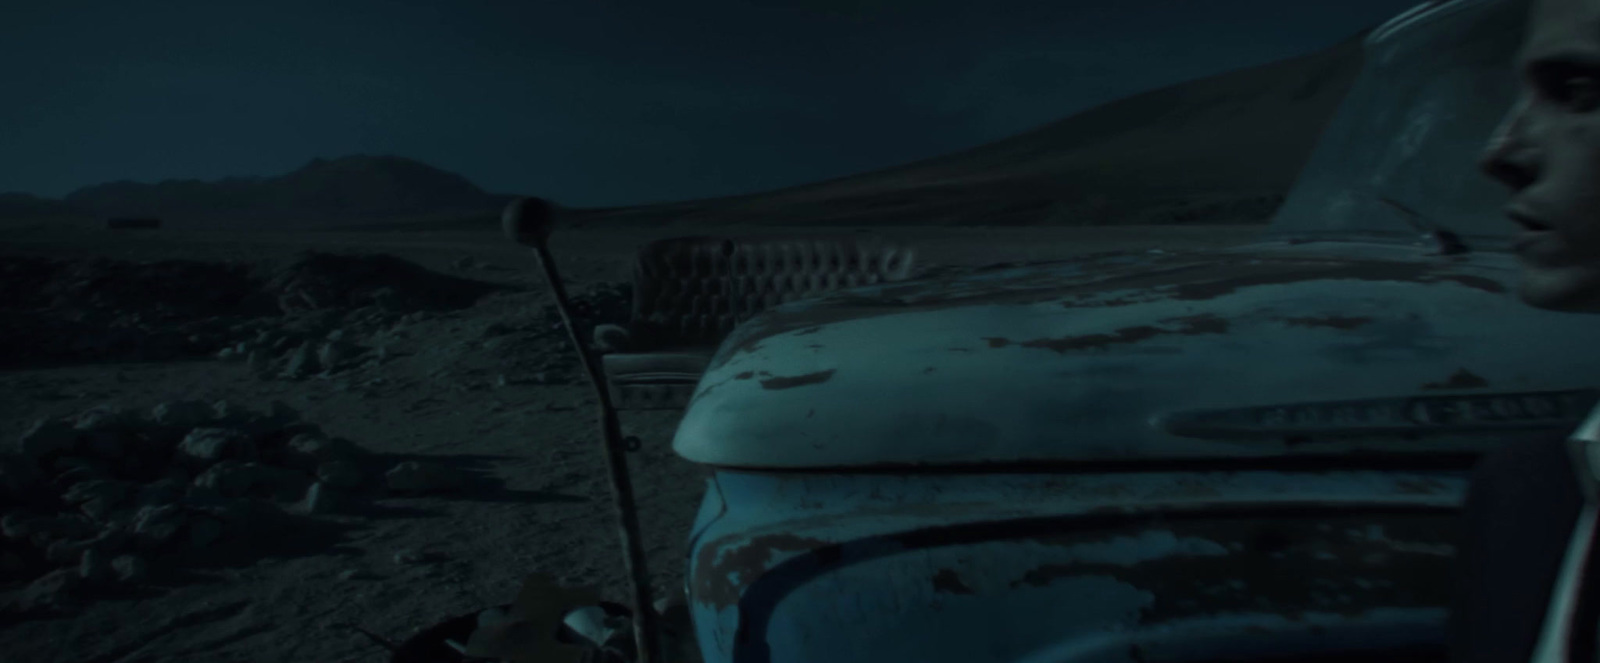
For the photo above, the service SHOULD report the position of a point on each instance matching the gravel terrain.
(240, 446)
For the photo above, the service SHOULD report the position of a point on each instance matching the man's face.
(1548, 151)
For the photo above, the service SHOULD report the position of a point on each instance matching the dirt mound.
(319, 281)
(166, 288)
(59, 312)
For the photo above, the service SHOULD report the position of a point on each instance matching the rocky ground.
(244, 447)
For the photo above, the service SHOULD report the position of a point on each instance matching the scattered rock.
(283, 483)
(227, 413)
(157, 525)
(330, 355)
(130, 568)
(425, 478)
(280, 415)
(408, 556)
(258, 362)
(320, 499)
(185, 474)
(387, 299)
(303, 361)
(12, 565)
(65, 464)
(110, 489)
(283, 343)
(56, 590)
(203, 497)
(67, 552)
(182, 414)
(341, 474)
(233, 479)
(598, 627)
(100, 508)
(250, 520)
(611, 338)
(43, 529)
(229, 478)
(319, 280)
(109, 444)
(310, 450)
(204, 531)
(17, 526)
(98, 497)
(105, 416)
(21, 479)
(94, 568)
(209, 445)
(161, 493)
(47, 437)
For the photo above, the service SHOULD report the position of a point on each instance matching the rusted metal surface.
(804, 567)
(1346, 322)
(1187, 326)
(791, 382)
(1074, 362)
(1462, 379)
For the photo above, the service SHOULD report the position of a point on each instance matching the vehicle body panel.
(872, 567)
(1026, 366)
(1175, 456)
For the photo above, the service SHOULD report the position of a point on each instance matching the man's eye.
(1579, 93)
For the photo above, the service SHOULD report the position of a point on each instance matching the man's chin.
(1572, 289)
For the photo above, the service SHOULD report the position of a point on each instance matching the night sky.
(594, 102)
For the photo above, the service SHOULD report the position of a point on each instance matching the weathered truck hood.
(1134, 357)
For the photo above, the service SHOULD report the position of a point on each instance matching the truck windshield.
(1402, 150)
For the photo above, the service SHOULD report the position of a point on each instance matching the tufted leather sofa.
(690, 292)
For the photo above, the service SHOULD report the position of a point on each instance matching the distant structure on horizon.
(133, 223)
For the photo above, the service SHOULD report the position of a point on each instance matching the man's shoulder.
(1542, 465)
(1521, 507)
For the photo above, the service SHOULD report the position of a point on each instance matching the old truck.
(1255, 454)
(1252, 454)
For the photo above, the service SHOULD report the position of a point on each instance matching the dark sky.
(593, 102)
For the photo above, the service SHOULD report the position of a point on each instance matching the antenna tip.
(529, 221)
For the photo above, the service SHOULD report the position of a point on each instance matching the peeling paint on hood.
(1073, 361)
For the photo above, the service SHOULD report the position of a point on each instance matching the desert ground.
(486, 390)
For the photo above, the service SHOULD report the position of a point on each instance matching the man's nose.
(1509, 156)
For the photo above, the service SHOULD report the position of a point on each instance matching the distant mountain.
(27, 207)
(1223, 149)
(338, 191)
